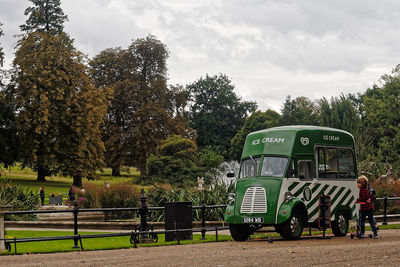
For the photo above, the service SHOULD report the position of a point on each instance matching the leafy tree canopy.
(257, 121)
(143, 110)
(382, 122)
(300, 111)
(175, 162)
(215, 112)
(59, 109)
(341, 113)
(1, 49)
(44, 16)
(8, 135)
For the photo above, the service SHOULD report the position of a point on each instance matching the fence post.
(76, 211)
(3, 211)
(384, 209)
(203, 219)
(143, 212)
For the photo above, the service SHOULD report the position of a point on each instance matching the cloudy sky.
(269, 48)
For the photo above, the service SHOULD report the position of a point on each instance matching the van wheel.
(239, 232)
(340, 226)
(293, 227)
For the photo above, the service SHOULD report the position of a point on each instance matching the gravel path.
(339, 251)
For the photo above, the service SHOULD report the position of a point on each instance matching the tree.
(44, 16)
(175, 162)
(216, 113)
(8, 136)
(381, 120)
(340, 113)
(1, 50)
(300, 111)
(143, 110)
(59, 109)
(257, 121)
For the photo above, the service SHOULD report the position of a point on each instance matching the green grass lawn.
(60, 184)
(90, 243)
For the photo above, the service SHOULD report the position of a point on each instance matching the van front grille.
(254, 201)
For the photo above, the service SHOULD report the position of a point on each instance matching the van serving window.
(335, 163)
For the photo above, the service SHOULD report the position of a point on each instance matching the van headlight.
(288, 197)
(231, 198)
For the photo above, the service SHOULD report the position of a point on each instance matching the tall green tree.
(8, 136)
(300, 111)
(1, 49)
(9, 145)
(59, 109)
(215, 112)
(258, 120)
(380, 105)
(44, 16)
(144, 110)
(341, 113)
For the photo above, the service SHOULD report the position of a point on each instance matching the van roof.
(296, 139)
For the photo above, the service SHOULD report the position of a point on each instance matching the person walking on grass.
(41, 193)
(71, 194)
(366, 205)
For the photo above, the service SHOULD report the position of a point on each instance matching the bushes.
(112, 196)
(18, 199)
(212, 195)
(115, 196)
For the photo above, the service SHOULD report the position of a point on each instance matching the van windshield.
(274, 166)
(249, 167)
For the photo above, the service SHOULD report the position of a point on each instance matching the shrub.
(212, 195)
(175, 162)
(114, 196)
(19, 199)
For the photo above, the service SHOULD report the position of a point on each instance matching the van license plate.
(253, 220)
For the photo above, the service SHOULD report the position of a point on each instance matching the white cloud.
(270, 48)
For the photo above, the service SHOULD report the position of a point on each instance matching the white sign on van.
(330, 138)
(268, 140)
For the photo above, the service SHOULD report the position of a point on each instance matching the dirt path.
(343, 251)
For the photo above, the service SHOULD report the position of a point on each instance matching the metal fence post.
(203, 220)
(143, 211)
(76, 211)
(384, 209)
(3, 211)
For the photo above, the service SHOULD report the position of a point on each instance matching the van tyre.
(293, 227)
(340, 226)
(239, 232)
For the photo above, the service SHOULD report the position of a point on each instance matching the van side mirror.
(230, 175)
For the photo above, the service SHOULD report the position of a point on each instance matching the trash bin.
(178, 215)
(324, 219)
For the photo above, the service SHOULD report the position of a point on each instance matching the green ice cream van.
(284, 171)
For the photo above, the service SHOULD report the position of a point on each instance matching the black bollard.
(76, 211)
(203, 220)
(143, 212)
(384, 209)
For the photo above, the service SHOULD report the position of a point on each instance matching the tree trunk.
(116, 170)
(41, 177)
(77, 181)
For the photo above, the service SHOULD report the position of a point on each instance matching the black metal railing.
(144, 229)
(385, 214)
